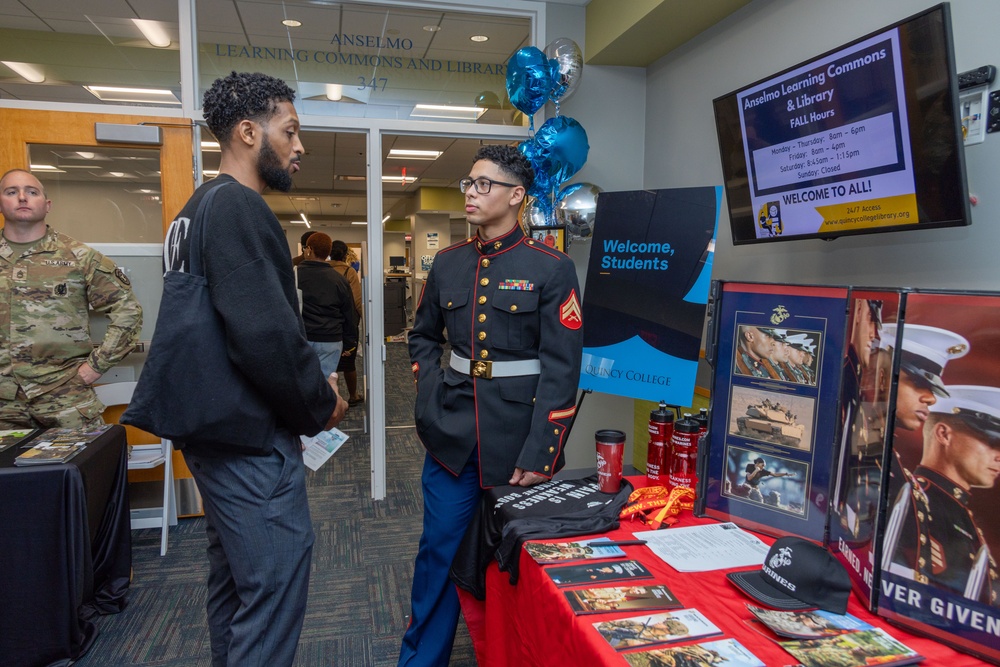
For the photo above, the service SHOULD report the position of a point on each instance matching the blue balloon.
(561, 148)
(530, 76)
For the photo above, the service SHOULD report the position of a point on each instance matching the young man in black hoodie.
(260, 534)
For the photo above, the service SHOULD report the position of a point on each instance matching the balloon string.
(531, 124)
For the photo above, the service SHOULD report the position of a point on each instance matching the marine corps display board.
(939, 573)
(777, 357)
(864, 435)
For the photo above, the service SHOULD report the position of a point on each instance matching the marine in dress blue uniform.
(499, 411)
(933, 531)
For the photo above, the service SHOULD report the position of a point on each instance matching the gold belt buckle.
(482, 369)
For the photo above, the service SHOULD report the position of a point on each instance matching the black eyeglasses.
(483, 184)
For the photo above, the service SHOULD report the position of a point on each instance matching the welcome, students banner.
(646, 292)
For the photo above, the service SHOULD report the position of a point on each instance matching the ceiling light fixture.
(211, 147)
(402, 180)
(46, 167)
(447, 111)
(402, 153)
(385, 219)
(291, 23)
(137, 95)
(302, 214)
(480, 38)
(432, 28)
(210, 172)
(359, 223)
(334, 92)
(154, 32)
(27, 71)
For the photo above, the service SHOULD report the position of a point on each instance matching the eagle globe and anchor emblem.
(779, 315)
(781, 559)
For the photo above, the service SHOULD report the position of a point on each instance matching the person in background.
(339, 255)
(327, 304)
(501, 410)
(49, 283)
(260, 534)
(302, 242)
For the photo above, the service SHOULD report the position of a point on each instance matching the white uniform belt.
(495, 369)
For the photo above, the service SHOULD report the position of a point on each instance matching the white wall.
(768, 36)
(609, 104)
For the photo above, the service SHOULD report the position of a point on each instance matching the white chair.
(144, 457)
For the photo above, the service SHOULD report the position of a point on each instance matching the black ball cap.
(797, 575)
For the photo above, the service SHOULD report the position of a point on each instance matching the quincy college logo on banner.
(647, 286)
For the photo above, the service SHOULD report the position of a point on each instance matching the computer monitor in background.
(396, 263)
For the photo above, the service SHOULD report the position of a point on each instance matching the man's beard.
(269, 167)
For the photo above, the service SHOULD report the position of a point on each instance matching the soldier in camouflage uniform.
(48, 281)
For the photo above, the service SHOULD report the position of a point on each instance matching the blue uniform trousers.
(449, 504)
(260, 541)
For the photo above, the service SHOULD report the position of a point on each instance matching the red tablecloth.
(532, 624)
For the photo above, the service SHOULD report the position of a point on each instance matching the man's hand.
(341, 409)
(526, 478)
(87, 374)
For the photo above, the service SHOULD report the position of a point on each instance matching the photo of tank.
(777, 418)
(771, 422)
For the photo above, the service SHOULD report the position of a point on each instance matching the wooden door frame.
(19, 128)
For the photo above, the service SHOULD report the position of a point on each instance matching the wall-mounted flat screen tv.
(865, 138)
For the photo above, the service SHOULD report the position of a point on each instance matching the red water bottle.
(661, 428)
(684, 451)
(702, 419)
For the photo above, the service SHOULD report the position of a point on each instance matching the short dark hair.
(305, 237)
(510, 161)
(338, 251)
(242, 96)
(320, 244)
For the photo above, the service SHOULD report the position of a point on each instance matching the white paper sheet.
(715, 546)
(321, 447)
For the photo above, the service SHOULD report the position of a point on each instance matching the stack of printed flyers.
(654, 633)
(59, 445)
(821, 639)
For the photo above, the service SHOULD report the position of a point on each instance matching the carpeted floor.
(362, 563)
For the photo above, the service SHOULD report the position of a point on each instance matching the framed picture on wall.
(554, 237)
(777, 354)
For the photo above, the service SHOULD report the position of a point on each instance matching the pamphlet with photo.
(728, 652)
(552, 552)
(665, 628)
(624, 598)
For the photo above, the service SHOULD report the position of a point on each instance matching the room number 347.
(374, 84)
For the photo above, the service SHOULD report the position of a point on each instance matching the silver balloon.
(536, 216)
(576, 208)
(567, 55)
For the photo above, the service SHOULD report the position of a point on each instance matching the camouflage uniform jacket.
(44, 318)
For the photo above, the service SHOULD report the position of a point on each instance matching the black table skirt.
(65, 551)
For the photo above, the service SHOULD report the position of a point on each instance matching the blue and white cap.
(926, 351)
(978, 406)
